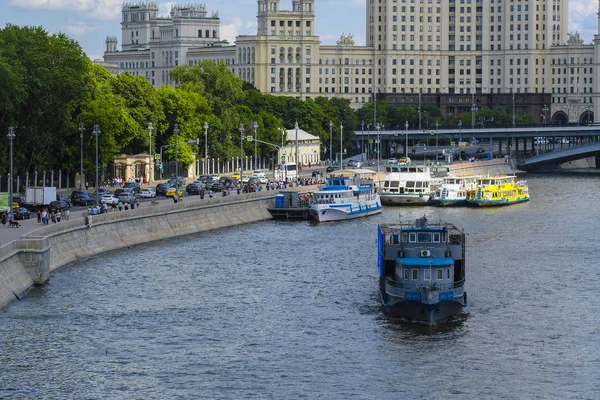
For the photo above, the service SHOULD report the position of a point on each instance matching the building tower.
(136, 24)
(111, 44)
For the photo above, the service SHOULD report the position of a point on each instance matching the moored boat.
(454, 191)
(422, 270)
(347, 194)
(411, 184)
(498, 191)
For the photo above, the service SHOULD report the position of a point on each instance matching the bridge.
(552, 160)
(532, 146)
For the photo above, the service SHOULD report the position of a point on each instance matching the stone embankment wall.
(29, 260)
(494, 167)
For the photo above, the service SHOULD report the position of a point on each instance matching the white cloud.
(98, 9)
(230, 31)
(583, 6)
(77, 29)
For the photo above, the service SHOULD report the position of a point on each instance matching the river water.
(290, 310)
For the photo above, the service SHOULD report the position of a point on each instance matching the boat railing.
(425, 286)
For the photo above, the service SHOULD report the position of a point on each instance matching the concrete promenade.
(34, 250)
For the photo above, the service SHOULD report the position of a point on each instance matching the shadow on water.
(414, 329)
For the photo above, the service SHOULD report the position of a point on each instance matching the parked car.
(236, 175)
(58, 206)
(148, 193)
(101, 192)
(218, 187)
(22, 213)
(81, 198)
(194, 188)
(64, 197)
(127, 197)
(134, 186)
(19, 199)
(161, 189)
(171, 192)
(331, 169)
(110, 199)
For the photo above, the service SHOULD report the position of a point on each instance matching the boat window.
(424, 237)
(405, 237)
(395, 184)
(427, 274)
(415, 274)
(405, 274)
(412, 237)
(418, 184)
(440, 274)
(436, 237)
(448, 273)
(410, 184)
(386, 184)
(443, 237)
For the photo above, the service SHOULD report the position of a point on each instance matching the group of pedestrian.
(44, 216)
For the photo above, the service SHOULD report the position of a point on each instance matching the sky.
(91, 21)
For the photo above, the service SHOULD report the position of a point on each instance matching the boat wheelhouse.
(454, 190)
(348, 194)
(411, 184)
(499, 191)
(422, 270)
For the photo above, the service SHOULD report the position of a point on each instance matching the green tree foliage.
(43, 82)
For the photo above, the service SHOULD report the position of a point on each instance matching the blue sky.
(90, 21)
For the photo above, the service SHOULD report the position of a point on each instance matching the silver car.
(109, 199)
(127, 197)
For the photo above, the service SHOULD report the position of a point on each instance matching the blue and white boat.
(422, 270)
(348, 194)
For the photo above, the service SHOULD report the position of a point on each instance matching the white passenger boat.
(454, 190)
(411, 184)
(348, 194)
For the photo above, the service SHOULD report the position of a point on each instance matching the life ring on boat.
(420, 194)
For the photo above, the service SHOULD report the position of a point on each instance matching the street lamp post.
(96, 133)
(330, 143)
(544, 110)
(341, 146)
(377, 127)
(11, 136)
(459, 138)
(362, 137)
(176, 131)
(205, 169)
(588, 114)
(81, 129)
(406, 142)
(513, 107)
(151, 171)
(436, 140)
(297, 161)
(241, 129)
(419, 109)
(473, 108)
(255, 144)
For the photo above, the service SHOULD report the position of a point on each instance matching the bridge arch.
(560, 118)
(586, 117)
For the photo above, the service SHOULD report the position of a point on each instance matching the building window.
(415, 274)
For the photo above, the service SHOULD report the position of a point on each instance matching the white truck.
(39, 196)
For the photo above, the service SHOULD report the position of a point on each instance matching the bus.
(285, 171)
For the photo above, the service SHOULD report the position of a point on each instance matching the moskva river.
(290, 310)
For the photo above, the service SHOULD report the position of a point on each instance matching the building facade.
(459, 55)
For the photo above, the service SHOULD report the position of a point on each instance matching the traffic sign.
(432, 133)
(250, 138)
(370, 141)
(160, 166)
(157, 157)
(424, 148)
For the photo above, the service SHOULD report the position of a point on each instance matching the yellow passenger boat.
(498, 191)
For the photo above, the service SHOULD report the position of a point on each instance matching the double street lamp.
(151, 171)
(11, 136)
(297, 161)
(330, 144)
(176, 131)
(241, 129)
(205, 169)
(255, 144)
(459, 138)
(406, 142)
(81, 129)
(96, 133)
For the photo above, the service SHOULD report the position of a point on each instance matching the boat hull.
(496, 203)
(405, 199)
(428, 313)
(332, 213)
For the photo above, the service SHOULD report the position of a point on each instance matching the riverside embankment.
(30, 259)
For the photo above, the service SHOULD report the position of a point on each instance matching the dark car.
(161, 189)
(64, 197)
(81, 198)
(22, 213)
(134, 186)
(227, 181)
(19, 199)
(331, 169)
(218, 187)
(194, 188)
(58, 206)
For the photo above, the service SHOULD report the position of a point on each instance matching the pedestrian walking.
(120, 205)
(39, 216)
(53, 217)
(58, 216)
(67, 214)
(45, 217)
